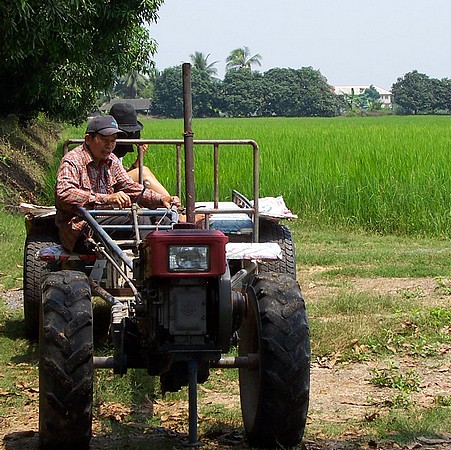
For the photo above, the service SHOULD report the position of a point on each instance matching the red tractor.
(180, 299)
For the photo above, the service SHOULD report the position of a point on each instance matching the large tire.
(270, 231)
(65, 362)
(34, 271)
(275, 394)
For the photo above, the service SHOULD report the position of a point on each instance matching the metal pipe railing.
(215, 144)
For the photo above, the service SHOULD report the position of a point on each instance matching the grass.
(382, 174)
(18, 367)
(69, 132)
(368, 254)
(362, 324)
(12, 237)
(26, 153)
(407, 425)
(391, 377)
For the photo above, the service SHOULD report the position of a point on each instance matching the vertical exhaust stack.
(188, 141)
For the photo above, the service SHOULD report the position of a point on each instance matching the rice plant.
(383, 174)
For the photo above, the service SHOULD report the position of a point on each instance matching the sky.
(351, 42)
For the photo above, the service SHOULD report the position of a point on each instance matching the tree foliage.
(371, 99)
(441, 90)
(416, 93)
(298, 92)
(242, 93)
(134, 85)
(240, 58)
(245, 93)
(200, 62)
(358, 104)
(129, 85)
(58, 55)
(413, 92)
(168, 93)
(205, 90)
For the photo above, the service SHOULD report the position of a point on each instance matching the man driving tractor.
(91, 175)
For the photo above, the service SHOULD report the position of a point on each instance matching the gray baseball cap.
(105, 125)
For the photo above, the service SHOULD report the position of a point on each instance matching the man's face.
(100, 146)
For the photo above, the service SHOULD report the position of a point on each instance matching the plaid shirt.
(80, 182)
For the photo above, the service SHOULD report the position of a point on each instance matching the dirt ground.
(341, 394)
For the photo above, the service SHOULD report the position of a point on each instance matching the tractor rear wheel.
(275, 393)
(65, 362)
(34, 271)
(270, 231)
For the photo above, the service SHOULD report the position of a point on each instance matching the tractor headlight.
(192, 258)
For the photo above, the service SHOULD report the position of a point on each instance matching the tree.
(131, 85)
(358, 104)
(298, 92)
(351, 103)
(414, 93)
(280, 99)
(168, 94)
(240, 59)
(441, 91)
(370, 99)
(58, 56)
(318, 98)
(205, 90)
(372, 94)
(200, 62)
(242, 93)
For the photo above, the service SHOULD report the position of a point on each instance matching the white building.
(386, 96)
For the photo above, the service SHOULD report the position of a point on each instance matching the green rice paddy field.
(382, 174)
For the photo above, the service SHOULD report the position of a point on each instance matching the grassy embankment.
(373, 199)
(28, 160)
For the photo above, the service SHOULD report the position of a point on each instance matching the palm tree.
(200, 62)
(129, 85)
(240, 59)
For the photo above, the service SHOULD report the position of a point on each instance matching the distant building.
(386, 96)
(141, 105)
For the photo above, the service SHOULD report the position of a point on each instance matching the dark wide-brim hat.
(126, 117)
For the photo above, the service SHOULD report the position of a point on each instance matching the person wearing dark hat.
(91, 176)
(127, 120)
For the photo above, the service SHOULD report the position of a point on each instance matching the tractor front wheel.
(275, 393)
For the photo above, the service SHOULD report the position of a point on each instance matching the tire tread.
(66, 368)
(284, 372)
(281, 234)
